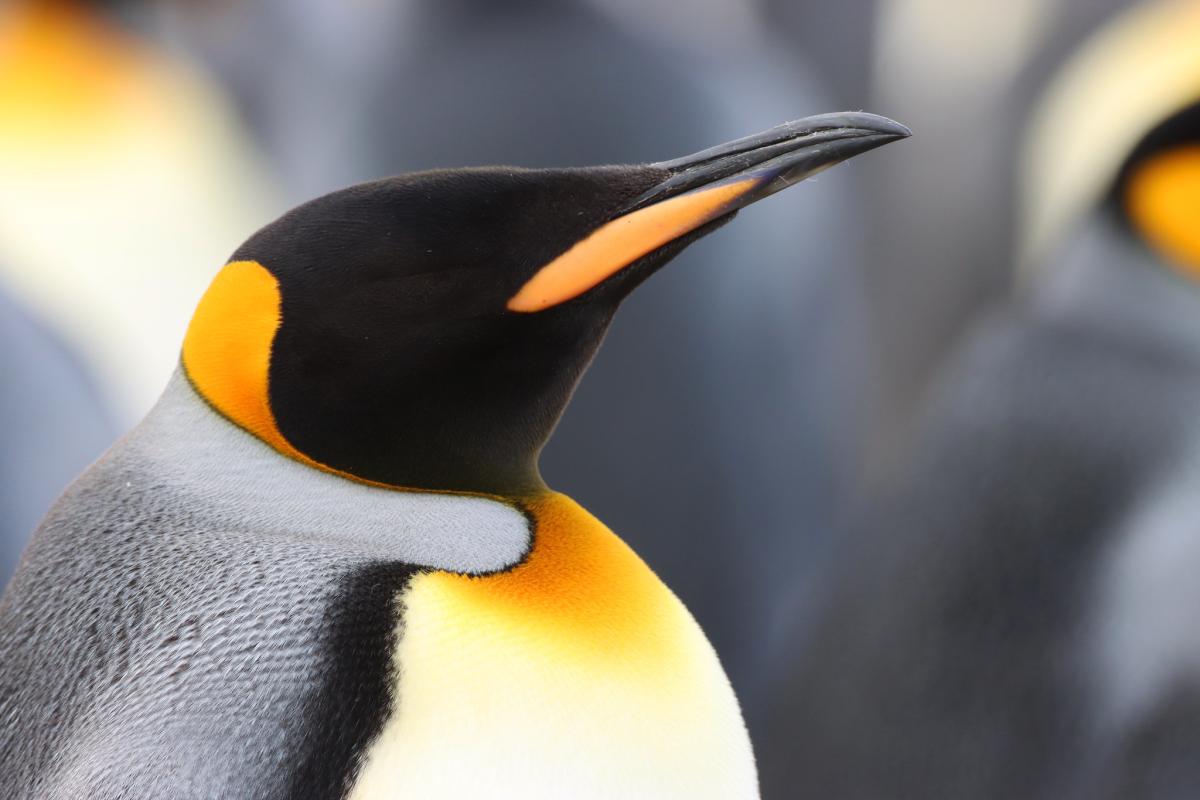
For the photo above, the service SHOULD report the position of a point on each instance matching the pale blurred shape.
(1135, 73)
(940, 48)
(124, 185)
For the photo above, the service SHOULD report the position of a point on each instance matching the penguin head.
(1113, 138)
(426, 331)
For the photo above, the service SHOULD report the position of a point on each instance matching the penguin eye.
(1162, 199)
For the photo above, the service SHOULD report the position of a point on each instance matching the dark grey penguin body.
(996, 628)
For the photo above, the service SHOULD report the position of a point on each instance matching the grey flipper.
(200, 617)
(1142, 646)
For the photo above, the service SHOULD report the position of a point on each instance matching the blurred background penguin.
(933, 579)
(124, 176)
(1011, 614)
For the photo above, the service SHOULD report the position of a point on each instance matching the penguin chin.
(619, 286)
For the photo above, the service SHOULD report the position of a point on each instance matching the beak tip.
(777, 157)
(876, 125)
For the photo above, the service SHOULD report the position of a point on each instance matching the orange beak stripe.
(617, 244)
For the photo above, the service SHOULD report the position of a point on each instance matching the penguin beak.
(776, 158)
(701, 188)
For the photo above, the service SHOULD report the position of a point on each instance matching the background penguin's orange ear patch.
(1163, 201)
(227, 349)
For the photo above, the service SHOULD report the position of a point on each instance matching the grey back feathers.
(196, 602)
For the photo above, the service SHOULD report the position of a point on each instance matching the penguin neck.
(422, 462)
(421, 459)
(476, 430)
(218, 473)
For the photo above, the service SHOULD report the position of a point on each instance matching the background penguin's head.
(1110, 140)
(426, 331)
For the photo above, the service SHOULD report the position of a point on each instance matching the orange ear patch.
(619, 243)
(1163, 198)
(227, 354)
(227, 349)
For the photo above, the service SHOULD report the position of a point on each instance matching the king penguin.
(1013, 614)
(325, 564)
